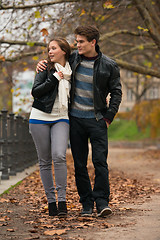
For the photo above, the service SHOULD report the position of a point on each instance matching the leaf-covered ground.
(24, 212)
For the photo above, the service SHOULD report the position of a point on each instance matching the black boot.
(52, 207)
(62, 209)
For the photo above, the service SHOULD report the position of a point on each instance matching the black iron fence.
(17, 150)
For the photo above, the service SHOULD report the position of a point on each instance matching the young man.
(94, 76)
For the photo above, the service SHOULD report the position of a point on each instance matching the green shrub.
(122, 129)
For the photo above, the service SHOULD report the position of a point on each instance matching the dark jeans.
(81, 130)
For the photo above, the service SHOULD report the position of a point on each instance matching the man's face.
(84, 47)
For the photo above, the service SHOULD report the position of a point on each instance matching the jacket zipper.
(94, 86)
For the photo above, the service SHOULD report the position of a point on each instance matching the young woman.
(49, 123)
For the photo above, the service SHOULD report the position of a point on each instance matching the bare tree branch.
(139, 47)
(145, 90)
(136, 94)
(118, 43)
(122, 31)
(10, 17)
(153, 13)
(3, 7)
(148, 21)
(137, 68)
(13, 42)
(18, 57)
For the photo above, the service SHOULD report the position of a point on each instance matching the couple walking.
(83, 79)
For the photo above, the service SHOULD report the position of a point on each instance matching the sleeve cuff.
(107, 120)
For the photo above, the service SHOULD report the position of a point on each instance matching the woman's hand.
(60, 75)
(41, 66)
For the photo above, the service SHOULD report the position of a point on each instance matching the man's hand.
(41, 66)
(107, 124)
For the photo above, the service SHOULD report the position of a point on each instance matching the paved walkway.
(5, 184)
(23, 215)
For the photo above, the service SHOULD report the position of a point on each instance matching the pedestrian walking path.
(135, 195)
(5, 184)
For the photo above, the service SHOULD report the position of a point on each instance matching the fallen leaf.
(31, 238)
(54, 232)
(33, 230)
(2, 200)
(46, 226)
(10, 230)
(29, 222)
(13, 200)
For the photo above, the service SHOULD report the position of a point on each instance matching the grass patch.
(121, 129)
(13, 186)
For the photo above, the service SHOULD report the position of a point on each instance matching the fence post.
(18, 143)
(26, 160)
(11, 145)
(5, 174)
(21, 144)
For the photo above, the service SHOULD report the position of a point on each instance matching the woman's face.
(55, 53)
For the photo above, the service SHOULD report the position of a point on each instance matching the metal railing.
(17, 149)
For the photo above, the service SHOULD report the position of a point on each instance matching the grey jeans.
(51, 141)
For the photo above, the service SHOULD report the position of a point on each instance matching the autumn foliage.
(146, 114)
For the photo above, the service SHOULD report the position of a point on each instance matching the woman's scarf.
(64, 84)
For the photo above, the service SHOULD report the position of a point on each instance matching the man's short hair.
(90, 32)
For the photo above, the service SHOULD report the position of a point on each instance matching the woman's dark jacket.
(44, 90)
(106, 79)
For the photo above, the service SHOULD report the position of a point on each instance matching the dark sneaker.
(62, 209)
(103, 211)
(52, 207)
(87, 212)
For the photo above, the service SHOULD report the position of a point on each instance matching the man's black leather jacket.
(44, 90)
(106, 79)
